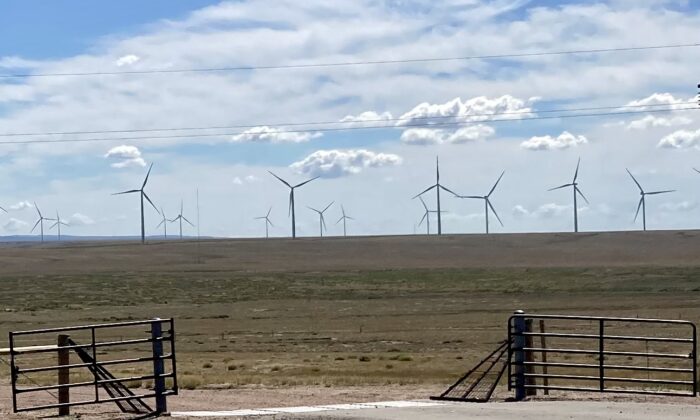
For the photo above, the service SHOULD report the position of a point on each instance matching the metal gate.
(601, 354)
(41, 366)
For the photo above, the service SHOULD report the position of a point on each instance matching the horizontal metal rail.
(606, 379)
(604, 318)
(100, 344)
(96, 363)
(95, 326)
(607, 367)
(90, 402)
(610, 353)
(91, 383)
(611, 390)
(607, 337)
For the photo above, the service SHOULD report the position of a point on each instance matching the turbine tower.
(344, 218)
(426, 217)
(437, 187)
(58, 224)
(291, 199)
(321, 219)
(143, 195)
(487, 202)
(180, 218)
(268, 223)
(642, 201)
(40, 222)
(163, 223)
(576, 191)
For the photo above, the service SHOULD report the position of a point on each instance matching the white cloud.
(471, 133)
(426, 136)
(658, 99)
(652, 121)
(479, 108)
(544, 211)
(237, 180)
(563, 141)
(682, 206)
(79, 219)
(127, 155)
(22, 205)
(127, 60)
(265, 134)
(681, 139)
(423, 136)
(15, 225)
(520, 211)
(367, 117)
(337, 163)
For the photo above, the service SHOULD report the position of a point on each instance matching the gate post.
(518, 354)
(158, 366)
(63, 375)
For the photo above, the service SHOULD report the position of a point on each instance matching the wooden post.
(518, 354)
(63, 375)
(529, 357)
(543, 345)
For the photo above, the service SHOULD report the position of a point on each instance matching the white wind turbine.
(487, 202)
(344, 218)
(58, 224)
(643, 201)
(576, 191)
(321, 219)
(40, 221)
(437, 187)
(268, 223)
(142, 194)
(180, 217)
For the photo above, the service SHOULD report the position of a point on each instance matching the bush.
(364, 359)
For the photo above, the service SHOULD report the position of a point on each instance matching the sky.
(279, 119)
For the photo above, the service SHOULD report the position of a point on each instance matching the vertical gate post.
(63, 375)
(601, 355)
(518, 354)
(543, 345)
(158, 366)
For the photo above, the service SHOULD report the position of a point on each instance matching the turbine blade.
(160, 224)
(423, 202)
(660, 192)
(560, 187)
(496, 184)
(149, 200)
(323, 222)
(328, 206)
(258, 218)
(342, 209)
(424, 191)
(53, 226)
(340, 220)
(582, 196)
(471, 196)
(127, 192)
(306, 182)
(37, 210)
(635, 180)
(448, 190)
(282, 180)
(639, 207)
(576, 173)
(268, 221)
(494, 211)
(181, 207)
(37, 224)
(3, 209)
(696, 170)
(349, 218)
(423, 219)
(147, 175)
(268, 212)
(185, 219)
(291, 200)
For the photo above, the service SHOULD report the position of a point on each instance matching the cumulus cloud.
(337, 163)
(15, 225)
(563, 141)
(265, 134)
(127, 156)
(127, 60)
(22, 205)
(681, 139)
(366, 117)
(544, 211)
(479, 108)
(652, 121)
(246, 179)
(79, 219)
(425, 136)
(654, 101)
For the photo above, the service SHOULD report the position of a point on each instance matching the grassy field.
(356, 311)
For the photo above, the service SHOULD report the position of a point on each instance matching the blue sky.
(373, 173)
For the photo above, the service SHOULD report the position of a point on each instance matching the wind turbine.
(163, 223)
(487, 202)
(40, 222)
(291, 199)
(58, 224)
(576, 191)
(143, 195)
(321, 219)
(426, 216)
(344, 218)
(180, 218)
(437, 187)
(268, 223)
(642, 201)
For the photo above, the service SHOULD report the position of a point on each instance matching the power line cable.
(353, 63)
(291, 124)
(181, 136)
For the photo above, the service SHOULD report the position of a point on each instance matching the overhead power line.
(334, 129)
(314, 123)
(353, 63)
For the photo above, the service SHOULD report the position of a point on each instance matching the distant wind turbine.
(344, 218)
(268, 223)
(576, 191)
(642, 201)
(321, 219)
(180, 218)
(437, 187)
(143, 195)
(163, 223)
(58, 224)
(40, 222)
(426, 217)
(291, 199)
(487, 202)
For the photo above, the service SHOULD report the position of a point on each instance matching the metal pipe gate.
(607, 357)
(162, 331)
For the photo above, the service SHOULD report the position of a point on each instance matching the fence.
(93, 345)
